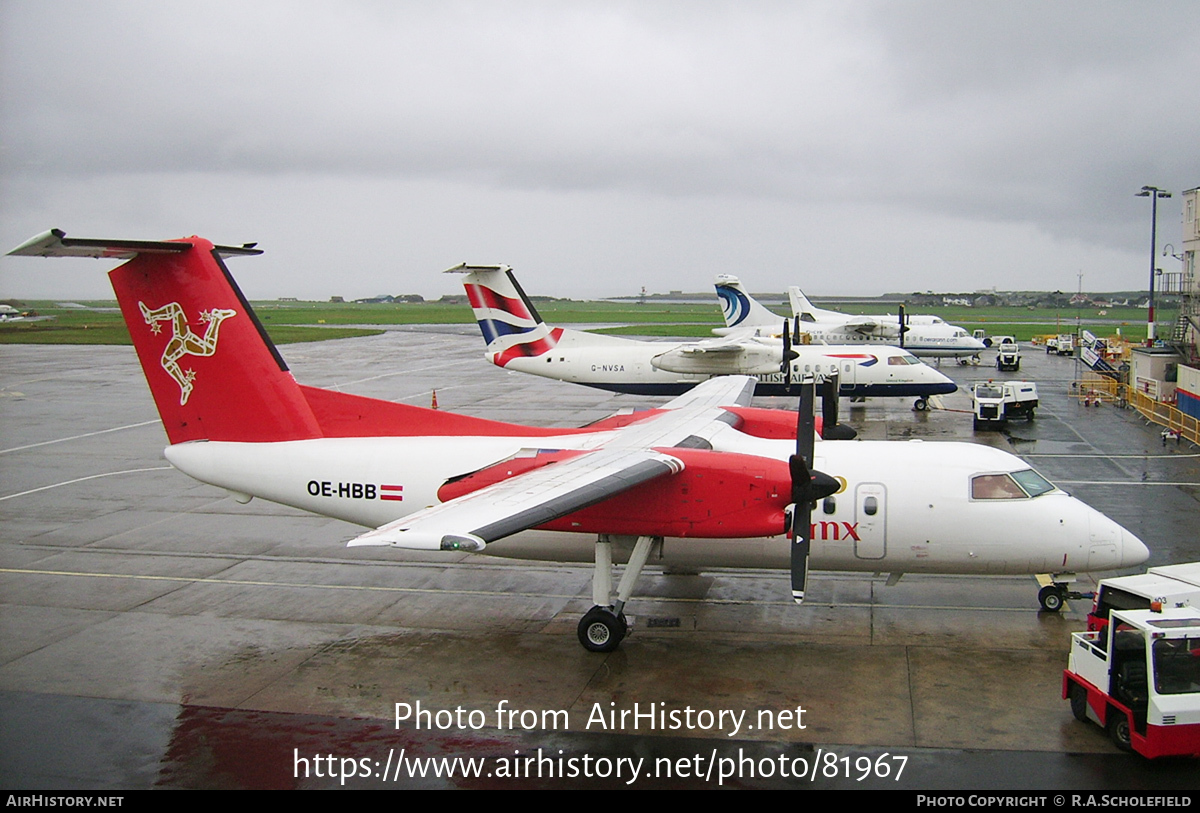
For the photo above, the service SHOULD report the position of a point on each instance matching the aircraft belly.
(559, 546)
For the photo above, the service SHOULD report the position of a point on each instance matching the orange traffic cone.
(434, 404)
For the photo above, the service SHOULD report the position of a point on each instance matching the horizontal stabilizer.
(55, 243)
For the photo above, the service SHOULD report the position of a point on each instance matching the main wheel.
(1118, 730)
(601, 630)
(1051, 598)
(1078, 697)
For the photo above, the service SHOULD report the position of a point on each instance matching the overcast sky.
(600, 147)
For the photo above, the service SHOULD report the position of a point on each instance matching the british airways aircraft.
(703, 481)
(518, 339)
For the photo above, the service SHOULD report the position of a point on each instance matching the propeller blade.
(801, 527)
(801, 524)
(806, 422)
(800, 467)
(808, 486)
(903, 328)
(830, 428)
(796, 329)
(785, 363)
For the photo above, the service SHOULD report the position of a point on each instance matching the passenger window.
(829, 505)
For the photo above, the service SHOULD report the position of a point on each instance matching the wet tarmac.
(155, 633)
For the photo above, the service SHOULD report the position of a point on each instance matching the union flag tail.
(213, 371)
(510, 323)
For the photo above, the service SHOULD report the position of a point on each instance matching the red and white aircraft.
(704, 480)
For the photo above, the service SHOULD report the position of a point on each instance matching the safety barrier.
(1094, 389)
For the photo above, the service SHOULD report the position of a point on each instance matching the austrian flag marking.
(394, 493)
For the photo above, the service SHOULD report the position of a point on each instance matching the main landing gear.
(603, 627)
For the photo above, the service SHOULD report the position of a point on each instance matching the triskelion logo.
(183, 341)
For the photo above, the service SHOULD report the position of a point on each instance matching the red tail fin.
(213, 371)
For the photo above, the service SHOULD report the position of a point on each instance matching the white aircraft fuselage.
(923, 519)
(631, 366)
(926, 337)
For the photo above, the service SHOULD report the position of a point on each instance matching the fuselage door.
(870, 515)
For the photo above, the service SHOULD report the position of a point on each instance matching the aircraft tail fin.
(739, 308)
(800, 305)
(511, 325)
(213, 371)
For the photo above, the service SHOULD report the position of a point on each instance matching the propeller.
(830, 428)
(789, 355)
(808, 486)
(903, 327)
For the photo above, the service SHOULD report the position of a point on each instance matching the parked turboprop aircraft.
(703, 480)
(518, 339)
(923, 336)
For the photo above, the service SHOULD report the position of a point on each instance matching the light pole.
(1154, 193)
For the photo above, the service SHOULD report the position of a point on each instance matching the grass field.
(289, 322)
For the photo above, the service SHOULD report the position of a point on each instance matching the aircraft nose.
(938, 377)
(1133, 550)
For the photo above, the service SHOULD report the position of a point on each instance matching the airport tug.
(1139, 678)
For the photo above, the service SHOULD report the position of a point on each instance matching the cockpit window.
(903, 358)
(1018, 485)
(996, 487)
(1034, 484)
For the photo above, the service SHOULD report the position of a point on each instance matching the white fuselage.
(906, 507)
(922, 340)
(626, 365)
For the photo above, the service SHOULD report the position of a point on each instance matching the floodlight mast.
(1154, 193)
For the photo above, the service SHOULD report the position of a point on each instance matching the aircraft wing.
(623, 459)
(525, 501)
(736, 354)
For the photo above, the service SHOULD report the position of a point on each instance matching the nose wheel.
(1054, 594)
(921, 404)
(1052, 598)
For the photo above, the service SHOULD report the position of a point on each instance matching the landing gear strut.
(604, 626)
